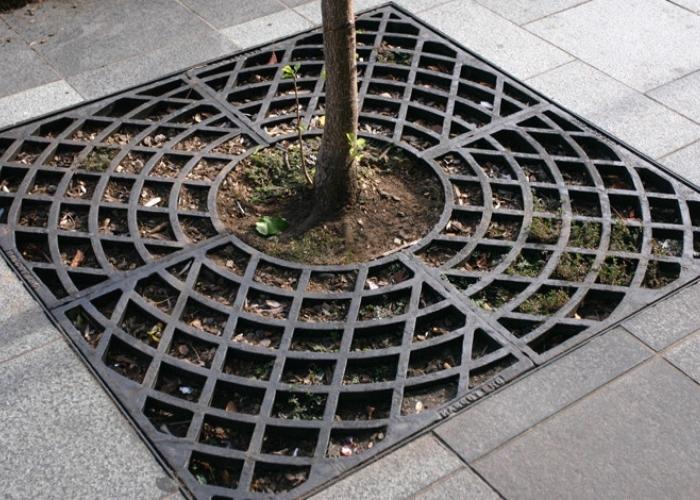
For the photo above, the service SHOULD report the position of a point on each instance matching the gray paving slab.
(23, 325)
(263, 29)
(685, 162)
(498, 40)
(643, 43)
(626, 113)
(223, 13)
(142, 68)
(635, 438)
(682, 95)
(27, 68)
(418, 6)
(525, 11)
(64, 438)
(518, 407)
(97, 33)
(37, 101)
(367, 4)
(398, 475)
(668, 321)
(312, 10)
(686, 356)
(294, 3)
(692, 5)
(464, 482)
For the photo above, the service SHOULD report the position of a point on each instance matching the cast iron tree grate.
(251, 375)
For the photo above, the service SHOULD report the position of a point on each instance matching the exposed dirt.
(400, 201)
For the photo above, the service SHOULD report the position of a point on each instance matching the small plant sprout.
(356, 145)
(292, 72)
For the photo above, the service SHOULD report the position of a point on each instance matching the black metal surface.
(469, 321)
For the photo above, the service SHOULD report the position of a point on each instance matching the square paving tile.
(262, 29)
(682, 95)
(692, 5)
(629, 115)
(23, 325)
(525, 11)
(223, 13)
(686, 356)
(623, 38)
(105, 80)
(540, 395)
(629, 440)
(551, 232)
(51, 398)
(685, 162)
(36, 101)
(465, 481)
(81, 39)
(415, 466)
(495, 38)
(668, 321)
(28, 70)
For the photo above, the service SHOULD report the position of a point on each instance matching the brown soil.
(400, 201)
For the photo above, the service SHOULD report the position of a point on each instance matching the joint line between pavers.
(668, 362)
(629, 371)
(467, 466)
(33, 349)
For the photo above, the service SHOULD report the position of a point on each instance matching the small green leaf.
(270, 226)
(356, 145)
(155, 332)
(290, 72)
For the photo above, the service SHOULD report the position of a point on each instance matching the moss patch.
(585, 235)
(545, 303)
(98, 160)
(274, 173)
(618, 272)
(573, 267)
(624, 238)
(528, 264)
(544, 230)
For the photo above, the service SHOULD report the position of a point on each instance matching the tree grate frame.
(551, 232)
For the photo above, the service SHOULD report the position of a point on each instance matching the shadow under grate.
(228, 359)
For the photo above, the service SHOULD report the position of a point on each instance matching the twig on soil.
(385, 151)
(399, 248)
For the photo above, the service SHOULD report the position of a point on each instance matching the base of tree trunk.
(397, 201)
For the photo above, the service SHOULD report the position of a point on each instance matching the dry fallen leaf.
(152, 202)
(78, 258)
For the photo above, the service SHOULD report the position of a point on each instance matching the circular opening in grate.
(401, 198)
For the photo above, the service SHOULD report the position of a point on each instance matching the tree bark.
(335, 183)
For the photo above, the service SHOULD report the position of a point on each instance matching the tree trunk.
(335, 183)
